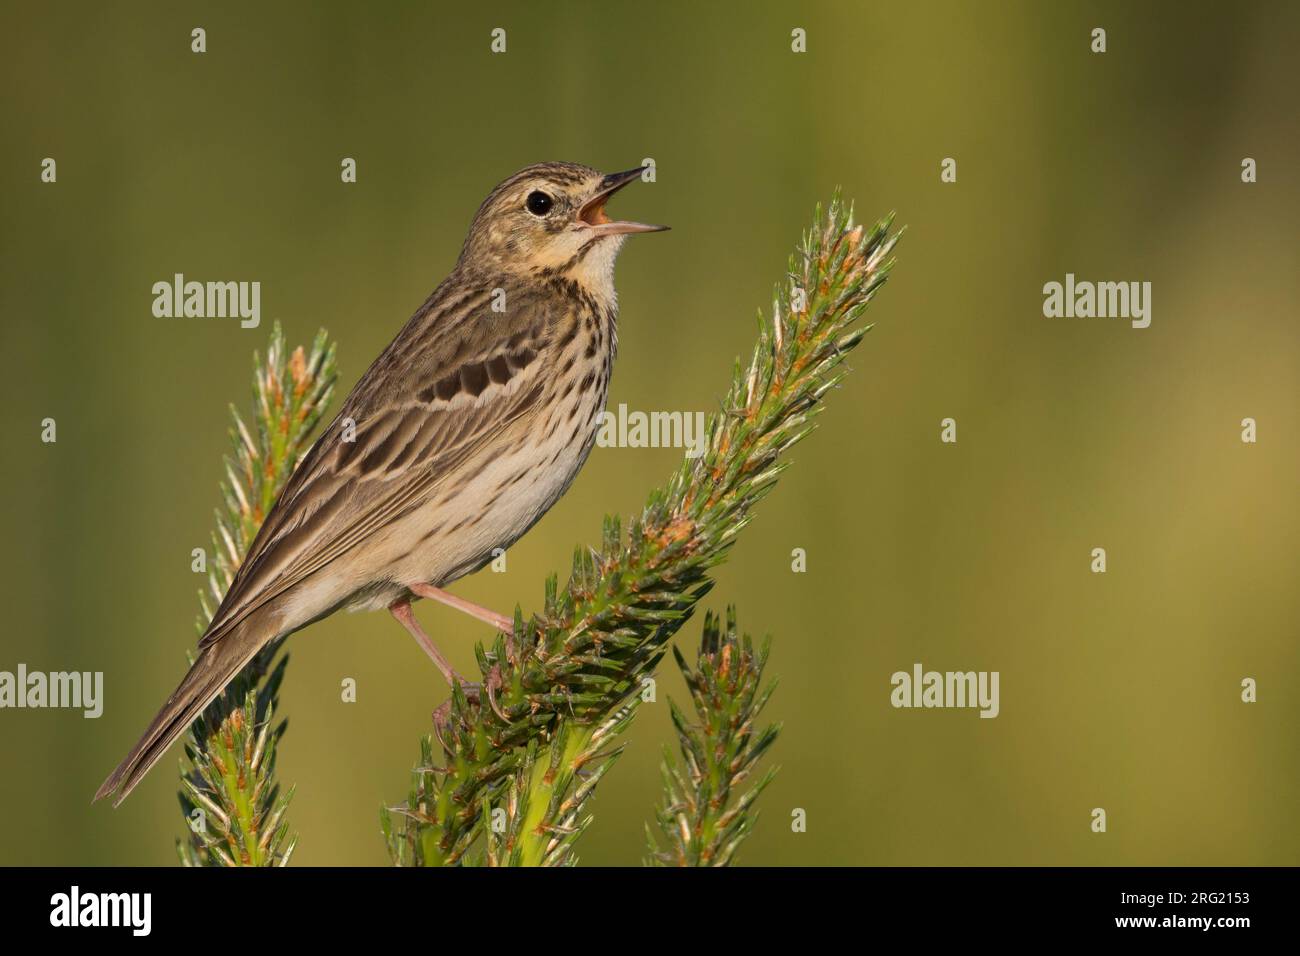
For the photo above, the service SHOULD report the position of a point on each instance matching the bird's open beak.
(592, 214)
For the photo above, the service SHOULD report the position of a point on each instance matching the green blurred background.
(1118, 691)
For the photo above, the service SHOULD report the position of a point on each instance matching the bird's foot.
(406, 617)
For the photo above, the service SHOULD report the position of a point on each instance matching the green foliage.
(704, 817)
(572, 666)
(543, 811)
(229, 774)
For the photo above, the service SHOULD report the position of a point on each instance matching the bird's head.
(549, 219)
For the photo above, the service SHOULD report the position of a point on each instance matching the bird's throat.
(594, 272)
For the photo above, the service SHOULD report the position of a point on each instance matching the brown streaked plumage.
(457, 439)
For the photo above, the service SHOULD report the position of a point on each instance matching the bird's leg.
(406, 617)
(499, 621)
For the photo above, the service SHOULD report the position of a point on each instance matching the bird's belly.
(460, 532)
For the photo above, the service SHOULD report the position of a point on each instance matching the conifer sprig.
(705, 815)
(229, 774)
(544, 807)
(584, 654)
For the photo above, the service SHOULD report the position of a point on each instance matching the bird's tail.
(217, 665)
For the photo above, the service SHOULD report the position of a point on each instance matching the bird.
(465, 430)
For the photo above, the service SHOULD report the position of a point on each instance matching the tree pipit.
(457, 439)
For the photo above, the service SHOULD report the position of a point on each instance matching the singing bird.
(458, 438)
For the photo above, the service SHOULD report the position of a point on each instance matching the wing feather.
(412, 432)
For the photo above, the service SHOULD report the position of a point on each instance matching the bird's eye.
(538, 203)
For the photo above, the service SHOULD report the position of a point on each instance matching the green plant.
(704, 817)
(559, 689)
(232, 805)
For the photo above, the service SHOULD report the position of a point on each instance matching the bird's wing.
(419, 411)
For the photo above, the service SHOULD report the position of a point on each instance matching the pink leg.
(406, 617)
(499, 621)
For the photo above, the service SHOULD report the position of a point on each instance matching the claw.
(492, 685)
